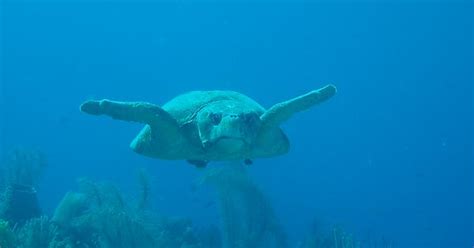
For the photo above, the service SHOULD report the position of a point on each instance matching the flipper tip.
(331, 88)
(326, 92)
(90, 107)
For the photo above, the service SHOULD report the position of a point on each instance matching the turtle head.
(227, 127)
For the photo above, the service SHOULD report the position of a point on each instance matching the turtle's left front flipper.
(281, 112)
(141, 112)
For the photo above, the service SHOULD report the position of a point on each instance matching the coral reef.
(39, 233)
(247, 217)
(97, 215)
(24, 166)
(334, 238)
(21, 173)
(7, 238)
(3, 179)
(337, 237)
(20, 204)
(144, 182)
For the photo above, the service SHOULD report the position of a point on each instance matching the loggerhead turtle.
(203, 126)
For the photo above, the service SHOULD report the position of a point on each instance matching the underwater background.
(387, 162)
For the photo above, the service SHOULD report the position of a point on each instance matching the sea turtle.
(203, 126)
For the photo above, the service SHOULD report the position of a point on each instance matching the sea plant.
(99, 216)
(144, 191)
(247, 217)
(7, 238)
(24, 167)
(337, 237)
(37, 233)
(21, 173)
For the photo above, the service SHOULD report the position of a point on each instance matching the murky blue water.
(387, 161)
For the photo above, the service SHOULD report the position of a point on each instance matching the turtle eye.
(215, 118)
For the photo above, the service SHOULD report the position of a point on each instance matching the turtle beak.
(233, 130)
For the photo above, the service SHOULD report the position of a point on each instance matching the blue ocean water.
(389, 157)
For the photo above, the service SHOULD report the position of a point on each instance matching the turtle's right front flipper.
(161, 135)
(141, 112)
